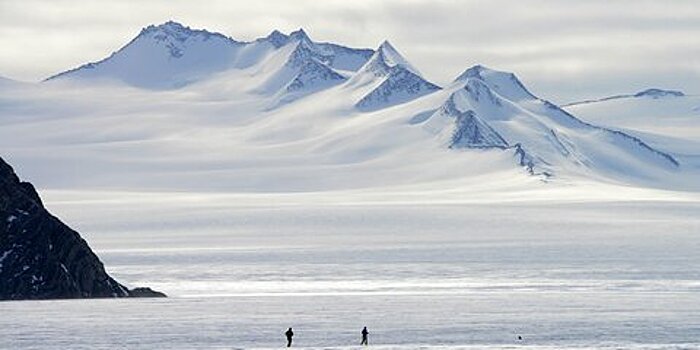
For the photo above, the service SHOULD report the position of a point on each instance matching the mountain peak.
(168, 55)
(169, 27)
(656, 93)
(476, 71)
(504, 83)
(299, 34)
(392, 58)
(385, 60)
(178, 32)
(172, 25)
(386, 45)
(276, 38)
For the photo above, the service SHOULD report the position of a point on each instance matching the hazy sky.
(562, 50)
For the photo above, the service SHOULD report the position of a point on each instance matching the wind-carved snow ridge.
(398, 82)
(493, 109)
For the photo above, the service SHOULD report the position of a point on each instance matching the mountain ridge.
(290, 92)
(172, 55)
(41, 257)
(493, 109)
(650, 92)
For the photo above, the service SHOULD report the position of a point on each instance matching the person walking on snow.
(289, 334)
(364, 336)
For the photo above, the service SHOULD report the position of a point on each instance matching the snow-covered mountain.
(285, 113)
(335, 56)
(172, 55)
(298, 68)
(668, 121)
(493, 109)
(164, 56)
(392, 80)
(648, 93)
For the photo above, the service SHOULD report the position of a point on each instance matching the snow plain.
(256, 210)
(467, 276)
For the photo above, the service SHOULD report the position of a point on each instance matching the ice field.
(561, 275)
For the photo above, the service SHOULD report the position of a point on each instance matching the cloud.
(564, 50)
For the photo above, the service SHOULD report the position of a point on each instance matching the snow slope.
(671, 122)
(286, 114)
(164, 56)
(297, 69)
(476, 212)
(492, 109)
(392, 80)
(171, 55)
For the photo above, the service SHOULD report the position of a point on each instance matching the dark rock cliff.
(42, 258)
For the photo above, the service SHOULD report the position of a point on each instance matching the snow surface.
(671, 123)
(259, 196)
(392, 80)
(594, 275)
(171, 56)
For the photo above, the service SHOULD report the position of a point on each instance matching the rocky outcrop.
(145, 292)
(41, 257)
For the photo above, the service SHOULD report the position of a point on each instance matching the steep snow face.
(491, 109)
(296, 70)
(399, 86)
(383, 62)
(302, 67)
(469, 130)
(392, 80)
(165, 56)
(503, 83)
(314, 75)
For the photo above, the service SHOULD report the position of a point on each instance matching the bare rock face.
(145, 292)
(42, 258)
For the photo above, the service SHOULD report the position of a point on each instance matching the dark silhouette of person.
(364, 336)
(289, 334)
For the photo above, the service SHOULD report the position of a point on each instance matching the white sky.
(562, 50)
